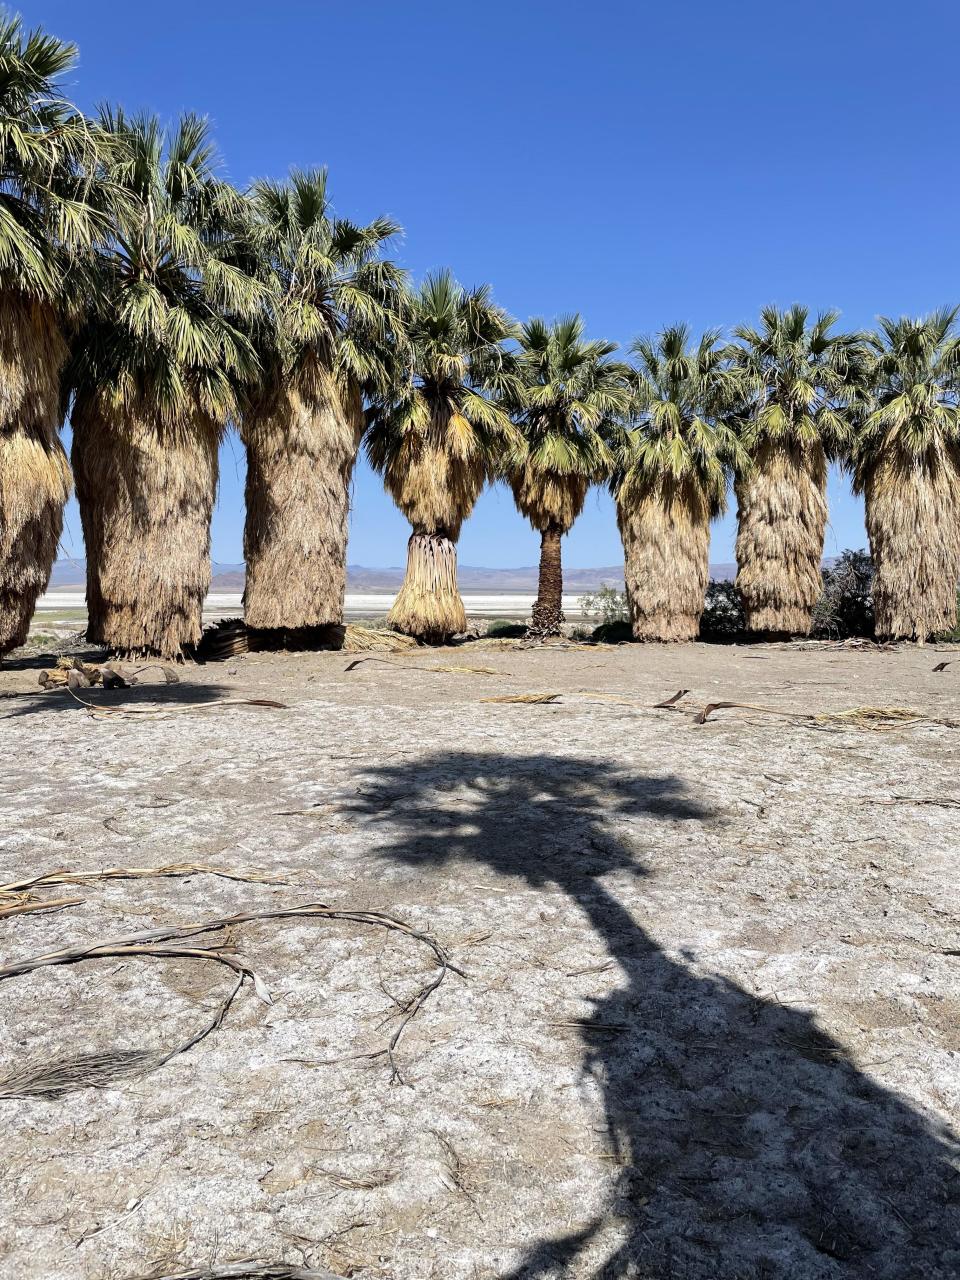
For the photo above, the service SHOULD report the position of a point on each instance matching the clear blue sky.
(641, 163)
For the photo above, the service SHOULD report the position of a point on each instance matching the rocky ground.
(705, 1017)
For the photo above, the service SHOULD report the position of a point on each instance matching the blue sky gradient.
(640, 163)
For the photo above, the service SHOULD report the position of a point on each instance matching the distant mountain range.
(71, 574)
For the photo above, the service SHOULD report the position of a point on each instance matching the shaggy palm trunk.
(34, 475)
(781, 520)
(548, 609)
(666, 543)
(428, 604)
(300, 459)
(913, 522)
(146, 497)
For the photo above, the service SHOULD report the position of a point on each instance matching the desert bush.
(504, 629)
(845, 608)
(723, 617)
(606, 604)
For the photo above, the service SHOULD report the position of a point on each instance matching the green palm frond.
(166, 302)
(333, 302)
(442, 425)
(800, 381)
(678, 435)
(54, 204)
(914, 407)
(567, 396)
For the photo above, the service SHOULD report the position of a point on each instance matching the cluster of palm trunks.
(158, 305)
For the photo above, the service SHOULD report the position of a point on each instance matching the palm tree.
(437, 439)
(906, 463)
(570, 396)
(671, 479)
(154, 376)
(798, 381)
(49, 214)
(332, 306)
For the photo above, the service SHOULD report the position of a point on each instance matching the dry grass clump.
(782, 516)
(913, 520)
(300, 457)
(34, 475)
(146, 497)
(666, 539)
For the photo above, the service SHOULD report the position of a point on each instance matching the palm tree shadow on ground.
(750, 1145)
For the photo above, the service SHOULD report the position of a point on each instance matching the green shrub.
(504, 629)
(620, 632)
(607, 604)
(723, 618)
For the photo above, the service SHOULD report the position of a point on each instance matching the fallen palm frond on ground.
(230, 638)
(57, 1077)
(441, 667)
(524, 697)
(107, 713)
(940, 802)
(244, 1271)
(13, 887)
(877, 719)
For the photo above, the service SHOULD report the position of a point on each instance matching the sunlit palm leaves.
(681, 395)
(443, 431)
(797, 379)
(332, 299)
(906, 462)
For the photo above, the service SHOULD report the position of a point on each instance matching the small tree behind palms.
(331, 308)
(154, 374)
(906, 463)
(51, 212)
(571, 394)
(671, 479)
(438, 438)
(798, 381)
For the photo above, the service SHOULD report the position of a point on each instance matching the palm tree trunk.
(781, 520)
(428, 604)
(34, 474)
(548, 609)
(300, 459)
(146, 497)
(666, 543)
(913, 522)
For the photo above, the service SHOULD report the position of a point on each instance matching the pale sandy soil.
(709, 1026)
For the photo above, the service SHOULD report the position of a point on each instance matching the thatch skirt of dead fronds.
(34, 475)
(666, 542)
(428, 604)
(146, 496)
(913, 522)
(781, 519)
(300, 457)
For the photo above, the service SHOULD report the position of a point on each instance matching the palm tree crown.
(443, 431)
(915, 378)
(332, 300)
(681, 393)
(797, 379)
(163, 335)
(569, 398)
(50, 205)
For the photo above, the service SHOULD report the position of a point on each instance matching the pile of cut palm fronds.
(71, 673)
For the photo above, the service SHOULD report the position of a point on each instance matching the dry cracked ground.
(704, 1020)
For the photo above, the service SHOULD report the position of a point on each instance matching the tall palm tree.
(332, 305)
(798, 382)
(906, 463)
(571, 394)
(671, 479)
(154, 377)
(49, 214)
(439, 437)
